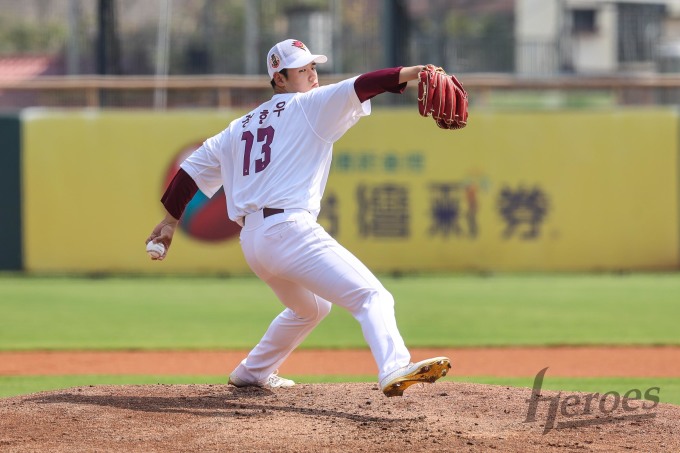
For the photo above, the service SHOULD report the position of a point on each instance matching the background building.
(595, 36)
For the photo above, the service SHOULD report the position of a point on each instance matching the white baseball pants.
(308, 270)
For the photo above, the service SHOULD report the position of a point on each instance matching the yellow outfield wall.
(514, 191)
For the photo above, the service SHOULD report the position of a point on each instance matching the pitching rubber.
(425, 371)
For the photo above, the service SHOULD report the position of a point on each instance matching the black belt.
(266, 212)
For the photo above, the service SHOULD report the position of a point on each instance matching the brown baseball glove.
(443, 97)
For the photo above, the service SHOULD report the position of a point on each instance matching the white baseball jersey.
(279, 154)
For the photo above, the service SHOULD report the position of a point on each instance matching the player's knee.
(324, 308)
(378, 296)
(386, 298)
(314, 312)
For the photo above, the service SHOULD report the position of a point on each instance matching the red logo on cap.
(275, 61)
(299, 44)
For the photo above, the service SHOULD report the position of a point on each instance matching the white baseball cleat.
(428, 370)
(274, 381)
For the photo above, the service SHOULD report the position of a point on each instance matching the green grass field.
(197, 313)
(52, 313)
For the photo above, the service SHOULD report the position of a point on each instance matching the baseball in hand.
(155, 250)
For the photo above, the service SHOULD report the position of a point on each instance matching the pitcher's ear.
(279, 79)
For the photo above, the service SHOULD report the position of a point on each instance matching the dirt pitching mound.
(446, 416)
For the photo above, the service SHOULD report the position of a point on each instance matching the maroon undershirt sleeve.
(179, 193)
(376, 82)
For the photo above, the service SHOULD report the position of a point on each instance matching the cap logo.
(299, 44)
(275, 61)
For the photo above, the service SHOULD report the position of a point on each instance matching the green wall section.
(10, 193)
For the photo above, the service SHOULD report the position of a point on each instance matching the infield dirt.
(566, 361)
(440, 417)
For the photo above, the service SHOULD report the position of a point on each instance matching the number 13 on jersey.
(265, 135)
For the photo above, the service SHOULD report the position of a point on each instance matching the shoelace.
(274, 380)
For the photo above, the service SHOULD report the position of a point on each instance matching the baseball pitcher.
(273, 164)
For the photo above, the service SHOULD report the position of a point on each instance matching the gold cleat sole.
(426, 371)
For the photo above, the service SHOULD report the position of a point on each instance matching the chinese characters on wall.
(385, 209)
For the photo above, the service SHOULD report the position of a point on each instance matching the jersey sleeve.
(203, 165)
(332, 109)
